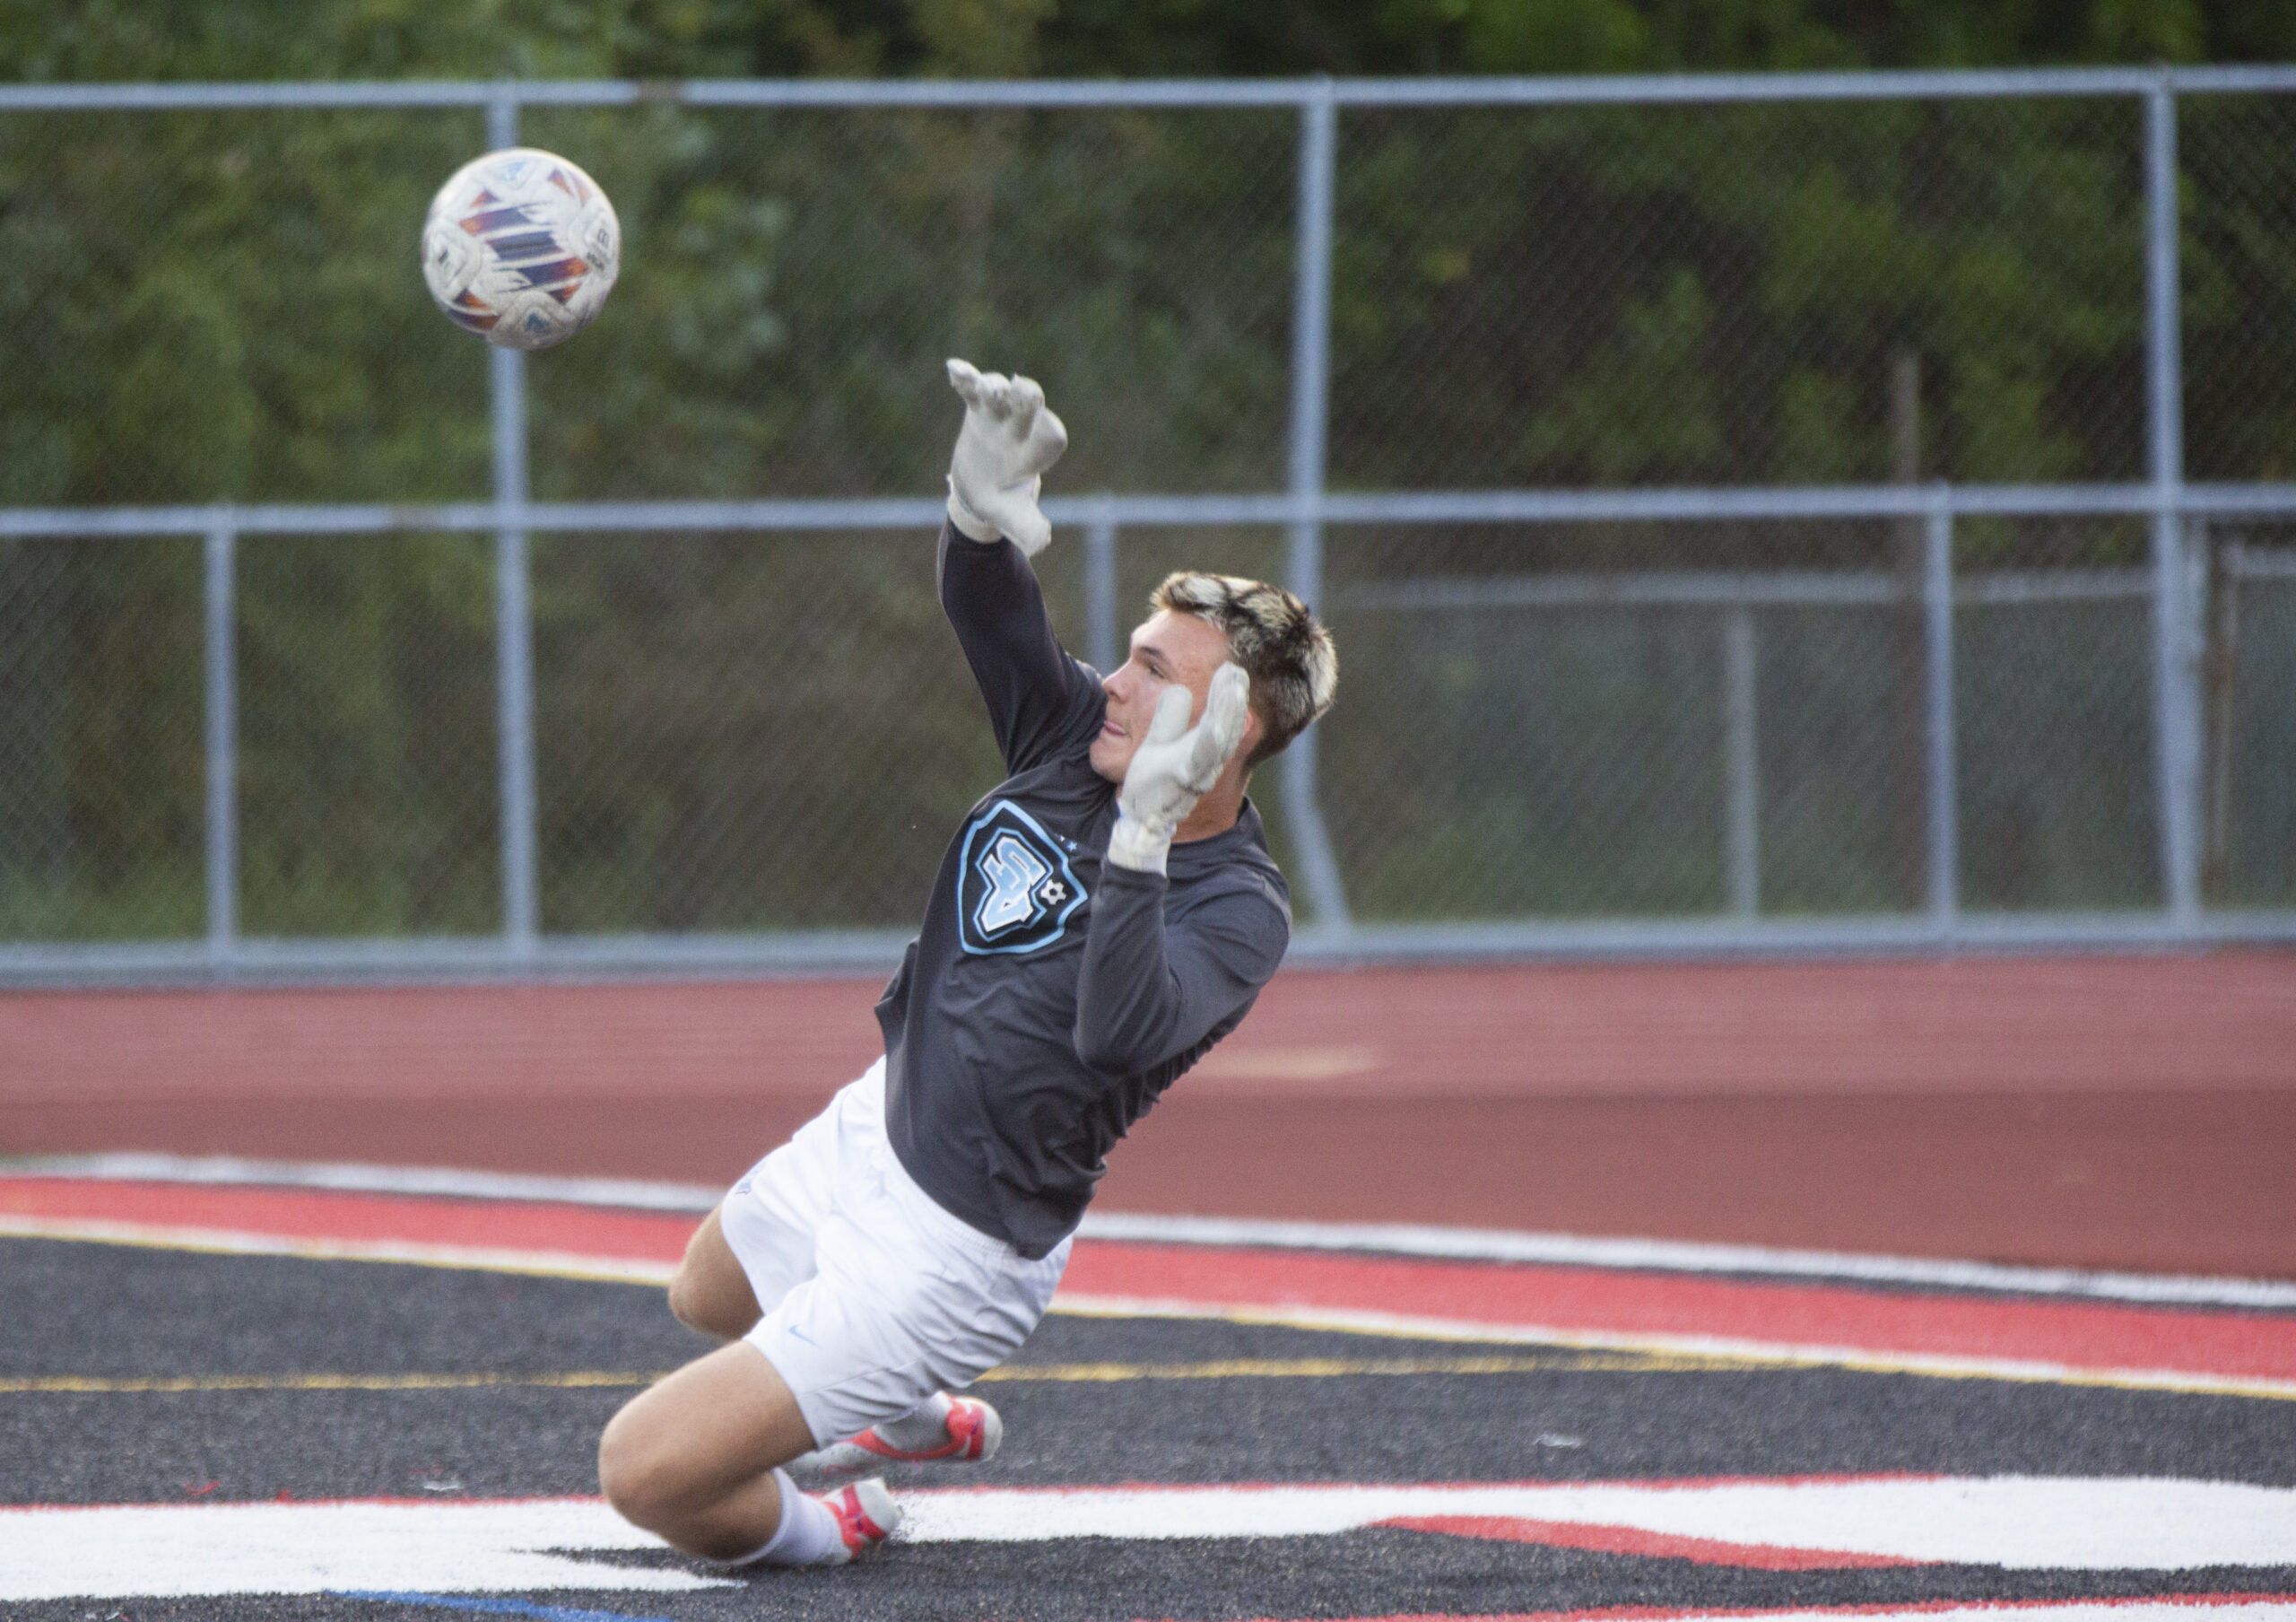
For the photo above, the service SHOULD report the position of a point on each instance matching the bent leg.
(710, 1291)
(691, 1459)
(758, 1244)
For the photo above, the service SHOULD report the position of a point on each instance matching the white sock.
(807, 1532)
(925, 1426)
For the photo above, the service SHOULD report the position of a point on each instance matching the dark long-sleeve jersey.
(1049, 998)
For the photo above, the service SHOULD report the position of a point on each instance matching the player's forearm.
(997, 608)
(1159, 978)
(1129, 1004)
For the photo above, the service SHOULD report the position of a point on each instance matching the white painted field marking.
(2027, 1523)
(148, 1551)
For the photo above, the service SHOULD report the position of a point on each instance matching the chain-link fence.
(1753, 512)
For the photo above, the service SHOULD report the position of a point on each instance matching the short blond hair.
(1276, 638)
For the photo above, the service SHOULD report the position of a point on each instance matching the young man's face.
(1171, 649)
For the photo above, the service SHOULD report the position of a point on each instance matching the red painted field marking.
(1798, 1321)
(1634, 1540)
(1626, 1304)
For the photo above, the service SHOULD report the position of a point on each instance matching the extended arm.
(1034, 691)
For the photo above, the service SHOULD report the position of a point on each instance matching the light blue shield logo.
(1015, 890)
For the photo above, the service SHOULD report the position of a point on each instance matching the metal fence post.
(1311, 419)
(1944, 863)
(514, 655)
(2176, 692)
(1741, 737)
(1099, 592)
(223, 743)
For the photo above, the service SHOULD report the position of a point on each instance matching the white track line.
(1660, 1255)
(2021, 1522)
(1396, 1238)
(546, 1264)
(1743, 1353)
(621, 1193)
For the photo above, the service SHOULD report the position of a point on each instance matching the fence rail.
(1589, 90)
(2172, 585)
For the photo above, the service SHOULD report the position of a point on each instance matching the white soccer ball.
(521, 248)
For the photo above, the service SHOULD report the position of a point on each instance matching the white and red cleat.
(970, 1436)
(866, 1515)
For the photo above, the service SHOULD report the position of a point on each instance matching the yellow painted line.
(1306, 1368)
(1239, 1368)
(1649, 1354)
(1106, 1374)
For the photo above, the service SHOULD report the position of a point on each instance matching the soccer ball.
(522, 247)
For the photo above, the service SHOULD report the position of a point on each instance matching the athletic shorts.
(874, 1297)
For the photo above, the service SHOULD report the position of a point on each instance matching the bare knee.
(639, 1475)
(691, 1459)
(651, 1485)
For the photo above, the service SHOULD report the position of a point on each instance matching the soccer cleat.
(972, 1433)
(866, 1515)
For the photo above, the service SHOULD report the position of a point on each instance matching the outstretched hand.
(1175, 765)
(1008, 441)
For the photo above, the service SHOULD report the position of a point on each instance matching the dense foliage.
(223, 307)
(692, 38)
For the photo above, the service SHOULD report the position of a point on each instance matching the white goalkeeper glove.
(1173, 767)
(1008, 441)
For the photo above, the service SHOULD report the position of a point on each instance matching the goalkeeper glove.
(1008, 441)
(1173, 767)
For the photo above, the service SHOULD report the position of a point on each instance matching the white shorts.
(874, 1297)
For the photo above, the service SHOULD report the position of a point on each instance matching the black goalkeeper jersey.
(1049, 1000)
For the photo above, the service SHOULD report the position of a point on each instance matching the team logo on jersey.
(1015, 890)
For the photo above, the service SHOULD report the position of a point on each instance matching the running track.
(2114, 1111)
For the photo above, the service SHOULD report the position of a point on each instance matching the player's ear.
(1254, 730)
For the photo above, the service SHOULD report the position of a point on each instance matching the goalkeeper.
(1103, 917)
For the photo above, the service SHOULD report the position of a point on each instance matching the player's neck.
(1215, 813)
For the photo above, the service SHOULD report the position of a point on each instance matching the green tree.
(224, 307)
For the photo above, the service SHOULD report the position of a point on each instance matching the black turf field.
(104, 1311)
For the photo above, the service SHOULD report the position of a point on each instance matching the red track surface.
(2135, 1111)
